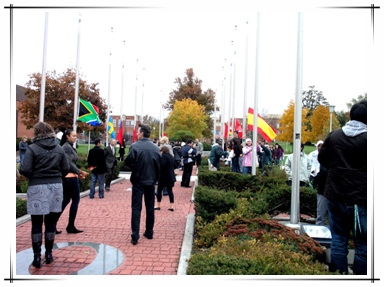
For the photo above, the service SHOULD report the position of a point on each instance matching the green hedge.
(234, 233)
(253, 257)
(21, 207)
(212, 202)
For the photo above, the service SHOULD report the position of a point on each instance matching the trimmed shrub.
(212, 202)
(21, 207)
(268, 230)
(21, 184)
(253, 257)
(207, 146)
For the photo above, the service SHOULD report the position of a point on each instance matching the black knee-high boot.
(36, 246)
(71, 222)
(49, 239)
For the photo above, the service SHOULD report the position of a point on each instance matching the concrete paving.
(104, 247)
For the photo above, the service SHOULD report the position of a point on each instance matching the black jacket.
(96, 160)
(44, 162)
(345, 157)
(177, 152)
(167, 173)
(320, 179)
(144, 160)
(72, 157)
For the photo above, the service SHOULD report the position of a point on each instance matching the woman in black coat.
(44, 164)
(71, 187)
(167, 177)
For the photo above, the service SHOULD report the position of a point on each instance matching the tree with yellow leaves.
(320, 123)
(287, 125)
(187, 115)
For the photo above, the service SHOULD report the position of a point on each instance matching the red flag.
(120, 134)
(164, 135)
(239, 129)
(134, 135)
(226, 131)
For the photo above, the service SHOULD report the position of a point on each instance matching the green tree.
(312, 99)
(342, 117)
(190, 88)
(183, 136)
(187, 115)
(154, 124)
(355, 101)
(59, 101)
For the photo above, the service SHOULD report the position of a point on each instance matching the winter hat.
(319, 142)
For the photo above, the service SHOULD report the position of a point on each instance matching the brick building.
(21, 129)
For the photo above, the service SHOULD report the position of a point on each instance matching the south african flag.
(89, 113)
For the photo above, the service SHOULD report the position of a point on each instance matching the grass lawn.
(83, 149)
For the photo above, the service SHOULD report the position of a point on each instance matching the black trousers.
(198, 159)
(160, 192)
(109, 176)
(49, 222)
(187, 172)
(137, 202)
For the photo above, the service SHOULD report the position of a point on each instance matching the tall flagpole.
(134, 107)
(142, 101)
(222, 129)
(245, 83)
(295, 194)
(43, 73)
(109, 90)
(214, 122)
(76, 103)
(256, 98)
(230, 100)
(234, 85)
(122, 94)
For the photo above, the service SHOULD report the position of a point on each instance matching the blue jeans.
(341, 221)
(235, 164)
(247, 169)
(97, 177)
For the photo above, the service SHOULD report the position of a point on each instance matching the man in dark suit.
(188, 152)
(96, 164)
(111, 162)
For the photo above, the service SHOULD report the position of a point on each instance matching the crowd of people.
(337, 169)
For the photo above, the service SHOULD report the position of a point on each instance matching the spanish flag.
(267, 132)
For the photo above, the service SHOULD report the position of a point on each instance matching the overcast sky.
(171, 38)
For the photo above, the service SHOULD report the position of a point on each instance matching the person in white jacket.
(305, 167)
(314, 162)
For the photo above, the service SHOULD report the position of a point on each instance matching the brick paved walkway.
(108, 221)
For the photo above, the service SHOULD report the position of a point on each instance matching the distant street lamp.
(331, 109)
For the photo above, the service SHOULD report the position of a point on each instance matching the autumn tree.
(59, 101)
(320, 123)
(187, 115)
(154, 124)
(287, 125)
(190, 88)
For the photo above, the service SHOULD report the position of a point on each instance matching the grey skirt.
(44, 198)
